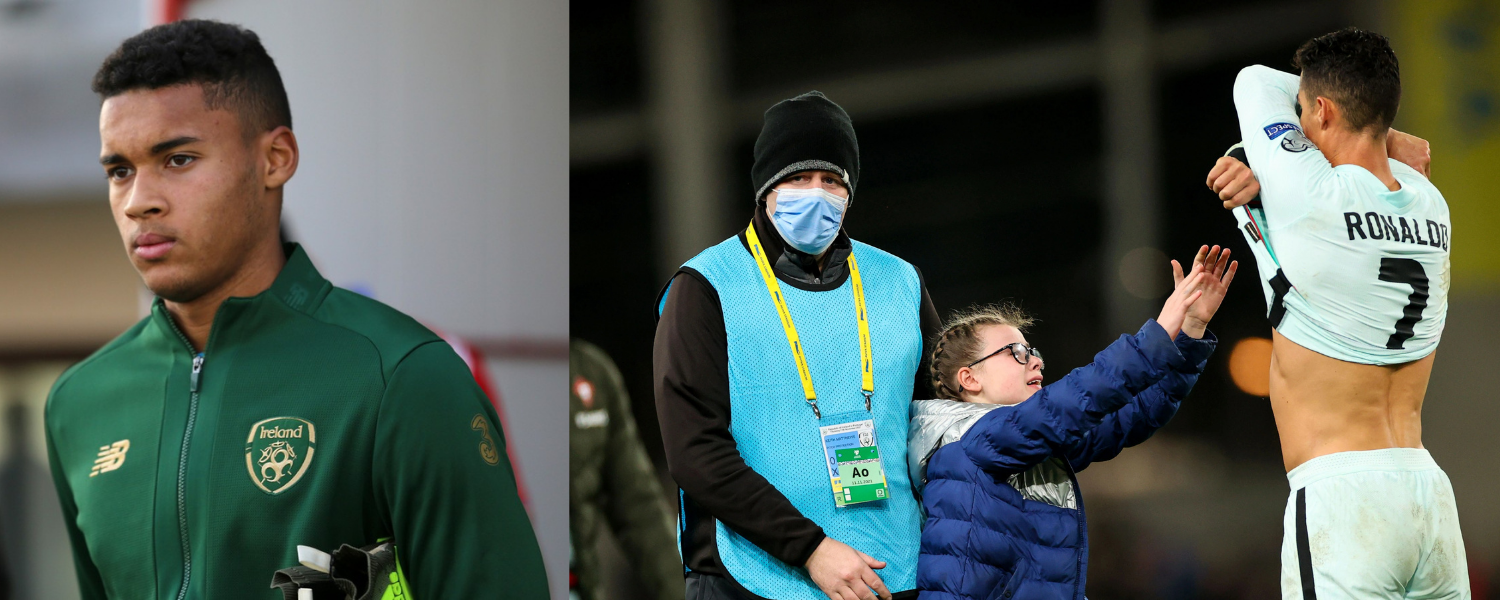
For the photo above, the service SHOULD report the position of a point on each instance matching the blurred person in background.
(993, 422)
(258, 407)
(1352, 245)
(612, 483)
(785, 359)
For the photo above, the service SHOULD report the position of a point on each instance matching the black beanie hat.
(805, 133)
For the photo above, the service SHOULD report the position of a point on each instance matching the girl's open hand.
(1214, 271)
(1174, 311)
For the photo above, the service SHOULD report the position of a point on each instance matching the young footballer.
(258, 407)
(1352, 246)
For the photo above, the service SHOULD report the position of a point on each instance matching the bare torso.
(1325, 405)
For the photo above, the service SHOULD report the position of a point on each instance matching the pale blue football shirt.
(1350, 269)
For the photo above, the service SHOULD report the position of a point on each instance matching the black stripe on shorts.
(1304, 554)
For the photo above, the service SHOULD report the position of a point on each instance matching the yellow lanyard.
(867, 372)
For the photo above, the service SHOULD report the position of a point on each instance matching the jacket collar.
(934, 424)
(299, 286)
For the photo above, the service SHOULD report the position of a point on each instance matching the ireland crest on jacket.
(278, 452)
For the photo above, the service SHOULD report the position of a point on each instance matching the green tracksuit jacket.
(314, 416)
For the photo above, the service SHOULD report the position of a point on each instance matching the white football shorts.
(1372, 524)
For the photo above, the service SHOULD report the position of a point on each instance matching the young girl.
(994, 457)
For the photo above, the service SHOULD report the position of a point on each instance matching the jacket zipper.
(187, 439)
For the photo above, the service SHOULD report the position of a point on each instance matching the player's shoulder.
(1411, 178)
(106, 362)
(393, 334)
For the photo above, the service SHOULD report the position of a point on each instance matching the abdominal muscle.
(1325, 405)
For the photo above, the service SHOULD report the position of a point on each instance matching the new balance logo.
(110, 457)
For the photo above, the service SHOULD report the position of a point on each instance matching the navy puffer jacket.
(1004, 516)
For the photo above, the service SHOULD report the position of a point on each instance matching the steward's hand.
(844, 573)
(1233, 181)
(1410, 149)
(1217, 271)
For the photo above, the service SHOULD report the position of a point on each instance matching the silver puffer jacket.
(937, 423)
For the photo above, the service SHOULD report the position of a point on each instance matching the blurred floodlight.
(1250, 366)
(1145, 273)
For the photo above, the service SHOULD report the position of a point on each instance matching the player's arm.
(1290, 170)
(90, 583)
(443, 480)
(1409, 150)
(1233, 180)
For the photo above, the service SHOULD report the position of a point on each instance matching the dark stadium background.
(998, 196)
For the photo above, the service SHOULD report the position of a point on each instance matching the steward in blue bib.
(785, 362)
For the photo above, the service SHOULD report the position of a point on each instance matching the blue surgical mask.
(808, 218)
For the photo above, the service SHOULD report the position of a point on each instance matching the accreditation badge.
(853, 462)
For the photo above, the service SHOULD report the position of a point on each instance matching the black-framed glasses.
(1021, 352)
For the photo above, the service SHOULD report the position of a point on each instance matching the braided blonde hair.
(959, 344)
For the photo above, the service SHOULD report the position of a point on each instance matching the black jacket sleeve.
(690, 362)
(931, 326)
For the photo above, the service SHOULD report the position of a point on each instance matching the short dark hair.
(226, 60)
(1358, 70)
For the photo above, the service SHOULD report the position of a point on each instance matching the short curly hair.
(1358, 70)
(958, 344)
(226, 60)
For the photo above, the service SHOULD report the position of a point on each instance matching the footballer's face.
(184, 187)
(1000, 379)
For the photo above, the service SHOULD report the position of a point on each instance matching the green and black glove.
(369, 573)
